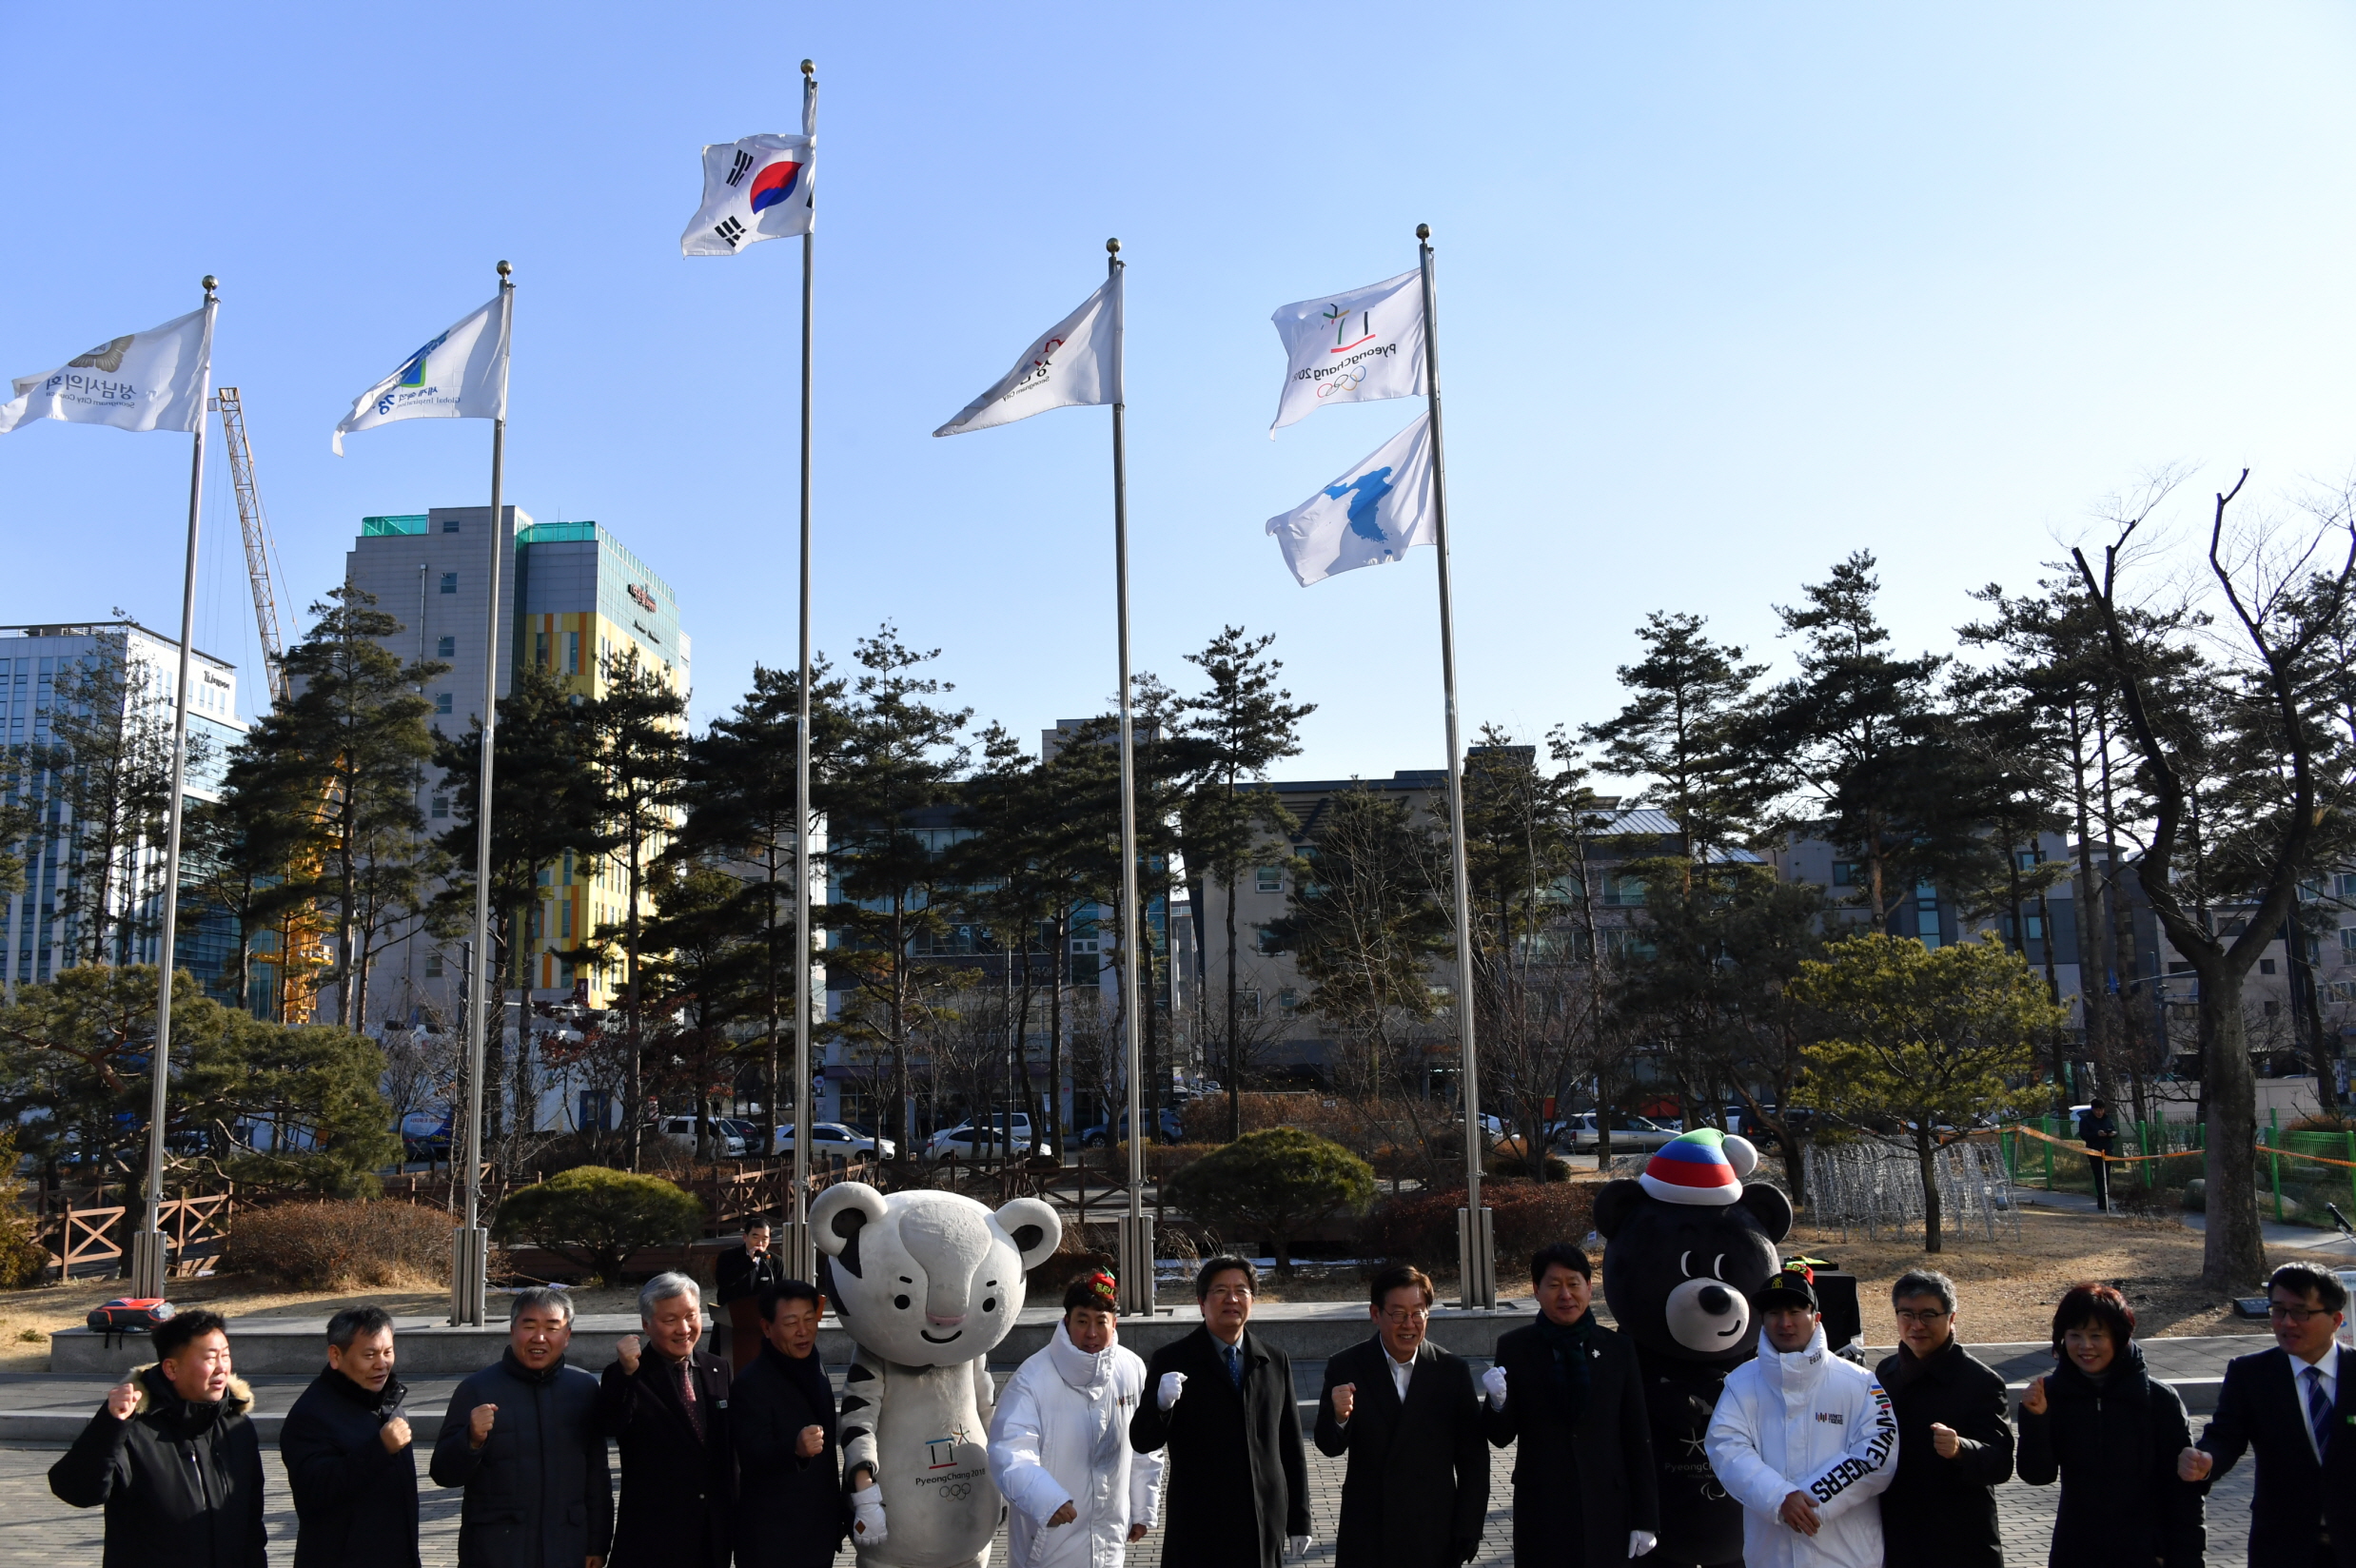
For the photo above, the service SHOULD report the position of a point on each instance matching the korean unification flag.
(1355, 347)
(1075, 362)
(156, 380)
(1376, 512)
(459, 375)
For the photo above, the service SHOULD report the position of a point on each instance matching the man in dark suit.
(1221, 1399)
(1404, 1410)
(743, 1273)
(346, 1446)
(788, 1450)
(2296, 1406)
(1569, 1392)
(1954, 1445)
(2099, 1132)
(665, 1405)
(521, 1437)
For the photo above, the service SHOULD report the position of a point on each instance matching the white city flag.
(1376, 512)
(459, 374)
(1355, 347)
(1075, 362)
(155, 380)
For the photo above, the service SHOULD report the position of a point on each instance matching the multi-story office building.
(40, 933)
(572, 599)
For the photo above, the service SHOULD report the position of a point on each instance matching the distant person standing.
(173, 1457)
(742, 1274)
(789, 1449)
(2296, 1406)
(2100, 1134)
(664, 1402)
(522, 1438)
(346, 1445)
(1221, 1400)
(1406, 1413)
(1954, 1444)
(1568, 1393)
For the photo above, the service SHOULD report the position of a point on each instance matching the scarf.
(807, 1378)
(1572, 1347)
(1091, 1378)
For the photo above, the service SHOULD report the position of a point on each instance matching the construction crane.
(260, 552)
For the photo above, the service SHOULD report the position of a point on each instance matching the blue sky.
(1726, 293)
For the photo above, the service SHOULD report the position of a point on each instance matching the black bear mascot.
(1686, 1246)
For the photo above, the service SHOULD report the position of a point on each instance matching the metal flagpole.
(1475, 1255)
(148, 1260)
(798, 1248)
(468, 1285)
(1136, 1250)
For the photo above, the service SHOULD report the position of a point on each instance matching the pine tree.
(1677, 727)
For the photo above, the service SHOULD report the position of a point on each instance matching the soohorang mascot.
(928, 1283)
(1686, 1246)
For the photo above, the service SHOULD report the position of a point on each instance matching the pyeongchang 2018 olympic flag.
(154, 379)
(1376, 512)
(459, 375)
(1074, 363)
(1361, 346)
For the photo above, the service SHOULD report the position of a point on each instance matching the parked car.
(680, 1130)
(838, 1138)
(968, 1142)
(1630, 1132)
(1173, 1131)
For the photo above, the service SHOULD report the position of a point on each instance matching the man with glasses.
(1404, 1411)
(1954, 1445)
(2294, 1405)
(1237, 1487)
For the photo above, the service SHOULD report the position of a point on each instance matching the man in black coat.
(522, 1438)
(1954, 1445)
(1416, 1489)
(173, 1457)
(2296, 1405)
(1221, 1400)
(1568, 1392)
(665, 1405)
(789, 1451)
(742, 1274)
(346, 1448)
(2099, 1131)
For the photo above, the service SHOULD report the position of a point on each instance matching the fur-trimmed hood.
(237, 1400)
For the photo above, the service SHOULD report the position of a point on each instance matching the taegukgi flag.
(1355, 347)
(1076, 363)
(459, 374)
(754, 189)
(155, 380)
(1375, 513)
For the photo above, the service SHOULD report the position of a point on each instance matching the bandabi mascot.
(927, 1283)
(1686, 1246)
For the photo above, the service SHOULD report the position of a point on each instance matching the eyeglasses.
(1405, 1314)
(2297, 1317)
(1922, 1314)
(1231, 1292)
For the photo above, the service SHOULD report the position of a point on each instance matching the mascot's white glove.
(1641, 1541)
(867, 1515)
(1493, 1383)
(1174, 1384)
(1301, 1545)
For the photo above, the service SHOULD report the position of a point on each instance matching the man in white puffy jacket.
(1804, 1441)
(1077, 1493)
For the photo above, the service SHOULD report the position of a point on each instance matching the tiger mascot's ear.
(842, 1210)
(1033, 1227)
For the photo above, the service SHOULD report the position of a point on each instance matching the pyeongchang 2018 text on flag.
(1076, 363)
(1376, 512)
(459, 374)
(155, 380)
(754, 189)
(1355, 347)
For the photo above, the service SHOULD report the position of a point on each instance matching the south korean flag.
(754, 189)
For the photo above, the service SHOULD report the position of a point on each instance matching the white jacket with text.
(1060, 1434)
(1813, 1424)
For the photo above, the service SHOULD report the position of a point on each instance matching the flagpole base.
(1475, 1259)
(149, 1262)
(470, 1268)
(1135, 1266)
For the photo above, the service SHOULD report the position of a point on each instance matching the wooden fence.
(88, 1243)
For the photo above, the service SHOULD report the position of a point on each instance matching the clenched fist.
(626, 1351)
(479, 1424)
(1799, 1513)
(1493, 1385)
(812, 1442)
(1345, 1399)
(1944, 1443)
(394, 1435)
(1174, 1384)
(2195, 1464)
(867, 1515)
(2032, 1397)
(122, 1399)
(1063, 1516)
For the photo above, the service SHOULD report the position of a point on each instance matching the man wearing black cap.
(1803, 1440)
(2099, 1132)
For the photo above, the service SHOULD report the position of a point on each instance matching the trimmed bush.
(1419, 1228)
(597, 1216)
(1274, 1183)
(336, 1245)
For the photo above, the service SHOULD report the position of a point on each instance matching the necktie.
(2318, 1410)
(687, 1390)
(1236, 1364)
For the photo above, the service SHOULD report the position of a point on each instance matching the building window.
(433, 966)
(2347, 944)
(446, 648)
(572, 652)
(540, 650)
(566, 909)
(1846, 873)
(1268, 878)
(442, 805)
(2028, 860)
(1623, 891)
(2273, 1008)
(2342, 884)
(441, 702)
(2266, 966)
(449, 582)
(1289, 999)
(1248, 1003)
(1264, 939)
(449, 525)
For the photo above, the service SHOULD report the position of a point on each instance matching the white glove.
(1641, 1541)
(867, 1515)
(1174, 1384)
(1301, 1545)
(1493, 1383)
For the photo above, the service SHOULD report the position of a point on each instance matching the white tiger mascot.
(928, 1283)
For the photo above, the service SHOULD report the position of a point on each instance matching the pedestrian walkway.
(2329, 1245)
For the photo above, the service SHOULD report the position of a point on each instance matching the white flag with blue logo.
(1376, 512)
(1355, 347)
(459, 374)
(155, 380)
